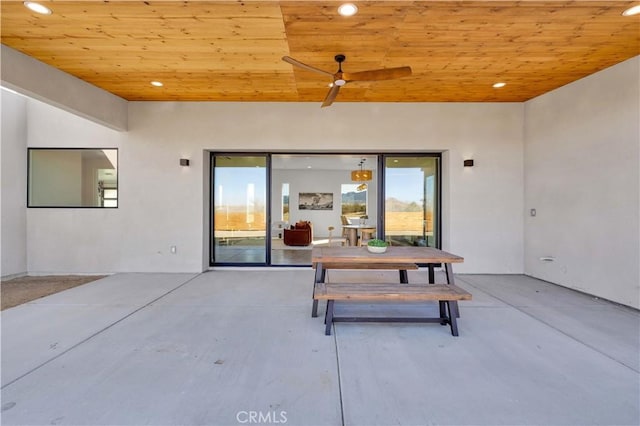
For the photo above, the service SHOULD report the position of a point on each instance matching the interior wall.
(582, 150)
(318, 181)
(13, 157)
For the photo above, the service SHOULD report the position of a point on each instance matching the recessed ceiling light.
(499, 85)
(348, 9)
(37, 7)
(157, 83)
(632, 11)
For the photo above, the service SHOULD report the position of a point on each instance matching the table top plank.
(394, 254)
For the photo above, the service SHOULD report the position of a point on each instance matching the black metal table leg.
(404, 276)
(450, 280)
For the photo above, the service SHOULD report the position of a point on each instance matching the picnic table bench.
(392, 292)
(398, 258)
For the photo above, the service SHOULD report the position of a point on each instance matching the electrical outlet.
(174, 249)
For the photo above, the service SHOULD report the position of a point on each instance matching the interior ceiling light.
(37, 7)
(157, 83)
(361, 175)
(499, 85)
(632, 11)
(347, 9)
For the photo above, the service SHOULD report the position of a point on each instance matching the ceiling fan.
(341, 78)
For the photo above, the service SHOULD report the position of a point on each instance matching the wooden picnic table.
(398, 258)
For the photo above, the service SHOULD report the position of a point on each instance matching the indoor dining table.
(353, 234)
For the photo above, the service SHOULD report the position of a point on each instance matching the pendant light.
(361, 175)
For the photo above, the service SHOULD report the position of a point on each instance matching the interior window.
(72, 177)
(354, 200)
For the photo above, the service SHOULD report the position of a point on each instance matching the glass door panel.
(239, 194)
(411, 188)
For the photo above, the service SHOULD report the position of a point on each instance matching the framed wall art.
(315, 201)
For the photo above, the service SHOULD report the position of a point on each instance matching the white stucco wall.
(582, 149)
(483, 208)
(61, 240)
(161, 204)
(13, 154)
(35, 79)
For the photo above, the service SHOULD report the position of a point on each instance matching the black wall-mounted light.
(468, 163)
(184, 161)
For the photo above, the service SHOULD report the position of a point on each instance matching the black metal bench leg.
(455, 303)
(443, 312)
(404, 276)
(328, 318)
(314, 308)
(453, 315)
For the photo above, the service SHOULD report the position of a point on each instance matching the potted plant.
(377, 246)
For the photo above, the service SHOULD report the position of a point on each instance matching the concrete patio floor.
(231, 347)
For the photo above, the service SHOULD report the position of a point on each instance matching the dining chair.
(365, 236)
(345, 233)
(340, 240)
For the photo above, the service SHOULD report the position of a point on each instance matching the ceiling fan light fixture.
(37, 7)
(347, 9)
(339, 82)
(632, 11)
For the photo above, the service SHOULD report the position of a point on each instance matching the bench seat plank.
(447, 296)
(389, 292)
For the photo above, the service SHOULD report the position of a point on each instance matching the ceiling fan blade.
(305, 66)
(381, 74)
(333, 92)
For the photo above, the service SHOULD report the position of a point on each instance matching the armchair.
(300, 234)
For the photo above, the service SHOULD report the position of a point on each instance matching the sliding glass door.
(411, 198)
(239, 204)
(257, 198)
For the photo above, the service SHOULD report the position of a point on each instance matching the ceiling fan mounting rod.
(340, 59)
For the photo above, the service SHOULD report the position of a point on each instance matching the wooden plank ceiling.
(231, 51)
